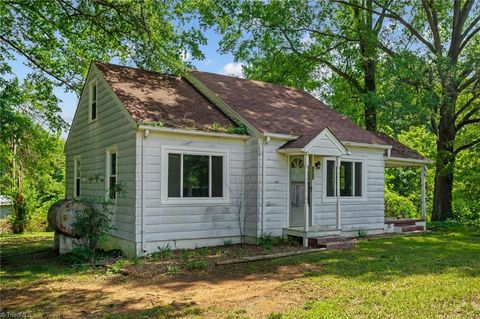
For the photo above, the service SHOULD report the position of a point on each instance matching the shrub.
(396, 204)
(93, 226)
(227, 242)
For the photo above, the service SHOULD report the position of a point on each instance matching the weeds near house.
(164, 252)
(227, 242)
(172, 270)
(118, 265)
(362, 233)
(268, 241)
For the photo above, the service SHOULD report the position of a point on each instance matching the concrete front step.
(316, 241)
(338, 245)
(402, 223)
(411, 228)
(331, 242)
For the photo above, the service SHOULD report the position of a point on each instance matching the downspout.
(142, 209)
(264, 141)
(337, 192)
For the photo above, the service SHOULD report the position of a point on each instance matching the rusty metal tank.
(62, 214)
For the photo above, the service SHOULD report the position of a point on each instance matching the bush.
(396, 204)
(93, 226)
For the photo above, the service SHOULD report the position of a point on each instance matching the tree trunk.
(19, 208)
(445, 161)
(370, 107)
(368, 47)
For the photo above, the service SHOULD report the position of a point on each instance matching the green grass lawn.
(433, 275)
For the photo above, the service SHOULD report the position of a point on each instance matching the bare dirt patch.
(213, 293)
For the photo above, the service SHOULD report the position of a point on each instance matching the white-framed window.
(352, 178)
(92, 108)
(194, 176)
(111, 173)
(77, 177)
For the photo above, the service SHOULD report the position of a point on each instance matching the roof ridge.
(137, 69)
(251, 80)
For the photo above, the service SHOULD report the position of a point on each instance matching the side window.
(351, 178)
(93, 101)
(77, 177)
(111, 175)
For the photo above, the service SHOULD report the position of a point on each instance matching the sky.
(213, 62)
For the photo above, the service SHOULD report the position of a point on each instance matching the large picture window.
(351, 178)
(199, 176)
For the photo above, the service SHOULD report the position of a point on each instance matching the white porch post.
(306, 207)
(423, 172)
(337, 193)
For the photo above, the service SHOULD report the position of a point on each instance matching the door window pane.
(358, 179)
(174, 175)
(346, 176)
(217, 176)
(195, 175)
(330, 178)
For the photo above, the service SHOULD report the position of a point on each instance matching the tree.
(432, 46)
(446, 40)
(31, 155)
(301, 43)
(61, 37)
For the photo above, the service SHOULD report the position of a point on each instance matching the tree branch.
(466, 146)
(433, 22)
(467, 122)
(465, 106)
(35, 63)
(392, 15)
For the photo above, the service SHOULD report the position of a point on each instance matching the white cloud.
(233, 69)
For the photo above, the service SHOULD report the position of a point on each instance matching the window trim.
(364, 179)
(90, 101)
(76, 160)
(108, 165)
(185, 201)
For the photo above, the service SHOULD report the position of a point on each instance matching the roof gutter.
(367, 145)
(191, 132)
(408, 160)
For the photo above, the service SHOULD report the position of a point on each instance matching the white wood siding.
(195, 222)
(356, 214)
(113, 127)
(276, 188)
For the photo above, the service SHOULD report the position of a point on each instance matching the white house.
(205, 157)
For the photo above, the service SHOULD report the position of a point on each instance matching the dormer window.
(93, 101)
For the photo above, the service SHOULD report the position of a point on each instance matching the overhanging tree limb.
(466, 146)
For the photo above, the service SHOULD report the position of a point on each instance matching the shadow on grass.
(42, 301)
(447, 249)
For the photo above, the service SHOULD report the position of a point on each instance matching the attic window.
(93, 101)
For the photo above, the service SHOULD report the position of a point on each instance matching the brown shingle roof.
(398, 149)
(279, 109)
(153, 97)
